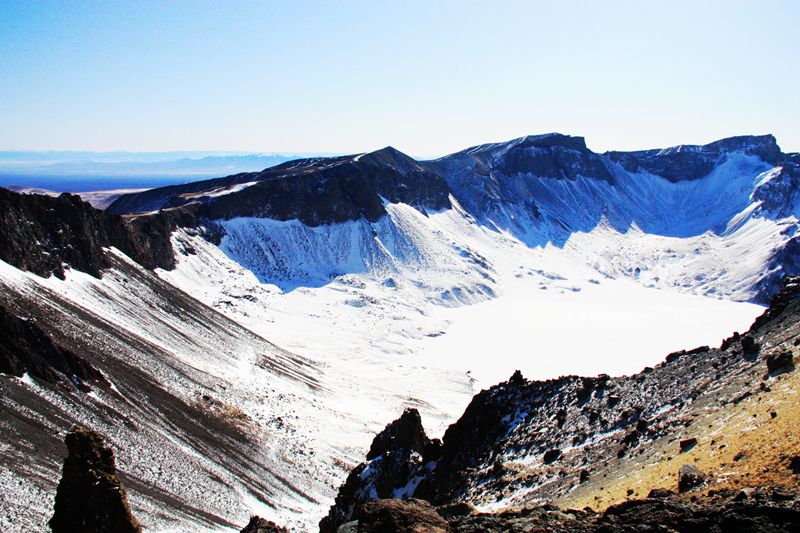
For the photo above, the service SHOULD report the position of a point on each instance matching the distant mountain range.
(65, 171)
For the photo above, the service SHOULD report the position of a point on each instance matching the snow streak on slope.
(185, 382)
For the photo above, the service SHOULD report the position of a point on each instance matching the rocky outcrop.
(788, 293)
(523, 441)
(42, 234)
(394, 457)
(758, 511)
(405, 433)
(26, 349)
(90, 496)
(401, 516)
(262, 525)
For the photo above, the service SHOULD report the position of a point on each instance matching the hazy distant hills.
(83, 171)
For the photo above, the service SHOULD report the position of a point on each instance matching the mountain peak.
(764, 146)
(549, 140)
(391, 157)
(543, 140)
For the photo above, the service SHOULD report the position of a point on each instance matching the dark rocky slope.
(600, 440)
(160, 412)
(26, 349)
(314, 191)
(42, 234)
(762, 511)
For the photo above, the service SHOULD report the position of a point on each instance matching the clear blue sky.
(427, 77)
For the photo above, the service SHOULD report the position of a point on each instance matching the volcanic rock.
(90, 497)
(401, 516)
(262, 525)
(779, 361)
(689, 477)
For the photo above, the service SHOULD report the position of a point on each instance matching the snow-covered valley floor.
(442, 308)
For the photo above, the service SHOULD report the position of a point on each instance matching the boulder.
(749, 346)
(794, 464)
(400, 516)
(779, 361)
(261, 525)
(660, 493)
(689, 477)
(687, 444)
(550, 456)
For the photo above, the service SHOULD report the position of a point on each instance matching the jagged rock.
(674, 356)
(90, 497)
(660, 493)
(689, 477)
(401, 516)
(405, 433)
(788, 293)
(262, 525)
(395, 454)
(730, 341)
(779, 361)
(41, 234)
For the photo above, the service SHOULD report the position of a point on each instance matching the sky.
(427, 77)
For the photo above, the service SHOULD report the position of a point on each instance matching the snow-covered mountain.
(735, 201)
(290, 313)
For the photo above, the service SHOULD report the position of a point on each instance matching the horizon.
(299, 154)
(428, 79)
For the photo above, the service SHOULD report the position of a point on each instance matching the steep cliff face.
(600, 440)
(691, 162)
(42, 234)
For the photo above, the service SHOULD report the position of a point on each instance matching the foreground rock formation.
(42, 234)
(90, 496)
(710, 424)
(762, 511)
